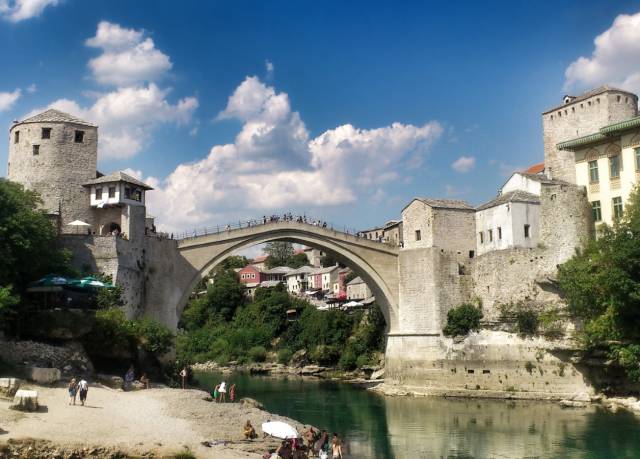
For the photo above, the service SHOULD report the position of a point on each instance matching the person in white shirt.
(223, 392)
(83, 386)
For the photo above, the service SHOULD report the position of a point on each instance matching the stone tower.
(580, 116)
(54, 153)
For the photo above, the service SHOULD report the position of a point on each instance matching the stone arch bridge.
(174, 278)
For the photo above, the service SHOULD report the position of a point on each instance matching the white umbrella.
(78, 223)
(279, 429)
(352, 304)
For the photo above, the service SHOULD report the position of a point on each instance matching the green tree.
(297, 261)
(278, 253)
(8, 303)
(27, 239)
(602, 288)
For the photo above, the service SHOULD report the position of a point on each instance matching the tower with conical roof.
(54, 154)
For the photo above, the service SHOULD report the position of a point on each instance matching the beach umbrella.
(279, 429)
(50, 280)
(78, 224)
(352, 304)
(90, 282)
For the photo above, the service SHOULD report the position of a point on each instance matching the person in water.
(249, 431)
(73, 390)
(336, 447)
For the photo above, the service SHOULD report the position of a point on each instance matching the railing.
(275, 219)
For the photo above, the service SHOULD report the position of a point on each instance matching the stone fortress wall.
(59, 168)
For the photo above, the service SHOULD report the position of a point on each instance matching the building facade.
(357, 290)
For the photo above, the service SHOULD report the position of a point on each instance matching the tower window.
(596, 211)
(614, 166)
(79, 137)
(98, 194)
(418, 235)
(490, 235)
(618, 98)
(46, 133)
(112, 191)
(16, 137)
(527, 231)
(593, 172)
(127, 192)
(36, 150)
(481, 235)
(499, 232)
(617, 207)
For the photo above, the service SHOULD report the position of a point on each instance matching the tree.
(27, 239)
(602, 288)
(328, 260)
(297, 261)
(278, 253)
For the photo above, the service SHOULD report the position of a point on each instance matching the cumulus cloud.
(20, 10)
(127, 116)
(463, 164)
(127, 56)
(7, 99)
(273, 163)
(615, 59)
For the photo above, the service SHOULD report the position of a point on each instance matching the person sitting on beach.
(310, 438)
(284, 451)
(249, 431)
(144, 380)
(73, 389)
(128, 378)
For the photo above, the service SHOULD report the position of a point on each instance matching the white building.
(277, 274)
(297, 280)
(357, 289)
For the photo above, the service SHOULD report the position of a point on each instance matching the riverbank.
(159, 422)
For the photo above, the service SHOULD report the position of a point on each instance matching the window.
(490, 235)
(593, 172)
(618, 98)
(481, 235)
(127, 192)
(596, 210)
(418, 235)
(136, 195)
(16, 137)
(46, 133)
(638, 159)
(499, 232)
(112, 191)
(617, 207)
(98, 194)
(79, 137)
(614, 166)
(253, 275)
(527, 231)
(36, 150)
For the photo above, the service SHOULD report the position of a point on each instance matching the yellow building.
(608, 164)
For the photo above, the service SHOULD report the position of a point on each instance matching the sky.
(341, 110)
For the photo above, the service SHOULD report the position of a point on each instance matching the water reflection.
(403, 428)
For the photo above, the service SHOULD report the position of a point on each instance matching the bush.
(363, 360)
(527, 322)
(348, 359)
(284, 356)
(463, 319)
(153, 336)
(258, 354)
(324, 354)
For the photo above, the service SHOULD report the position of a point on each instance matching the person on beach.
(216, 393)
(83, 386)
(249, 431)
(144, 380)
(232, 393)
(336, 447)
(322, 445)
(284, 451)
(73, 390)
(310, 438)
(129, 377)
(223, 392)
(183, 375)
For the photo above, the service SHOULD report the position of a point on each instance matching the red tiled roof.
(535, 169)
(260, 259)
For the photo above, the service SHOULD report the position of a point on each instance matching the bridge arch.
(375, 262)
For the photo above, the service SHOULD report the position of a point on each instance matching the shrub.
(284, 356)
(463, 319)
(527, 322)
(363, 360)
(258, 354)
(348, 359)
(324, 354)
(185, 454)
(153, 336)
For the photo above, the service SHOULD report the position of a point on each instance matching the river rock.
(312, 370)
(299, 358)
(378, 374)
(9, 387)
(44, 375)
(581, 397)
(25, 400)
(572, 404)
(246, 401)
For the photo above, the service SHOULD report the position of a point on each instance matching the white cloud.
(270, 68)
(615, 59)
(127, 116)
(31, 88)
(7, 99)
(20, 10)
(127, 58)
(273, 163)
(464, 164)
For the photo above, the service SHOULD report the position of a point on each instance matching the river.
(408, 428)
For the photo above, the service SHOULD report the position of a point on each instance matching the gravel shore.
(156, 422)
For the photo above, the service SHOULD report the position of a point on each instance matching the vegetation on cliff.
(222, 326)
(602, 288)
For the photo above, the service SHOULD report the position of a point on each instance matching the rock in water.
(25, 400)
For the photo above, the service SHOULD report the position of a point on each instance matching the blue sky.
(343, 110)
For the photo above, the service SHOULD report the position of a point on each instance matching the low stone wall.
(70, 359)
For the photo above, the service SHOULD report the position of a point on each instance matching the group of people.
(74, 387)
(313, 444)
(130, 377)
(219, 393)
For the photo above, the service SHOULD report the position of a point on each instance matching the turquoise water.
(403, 427)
